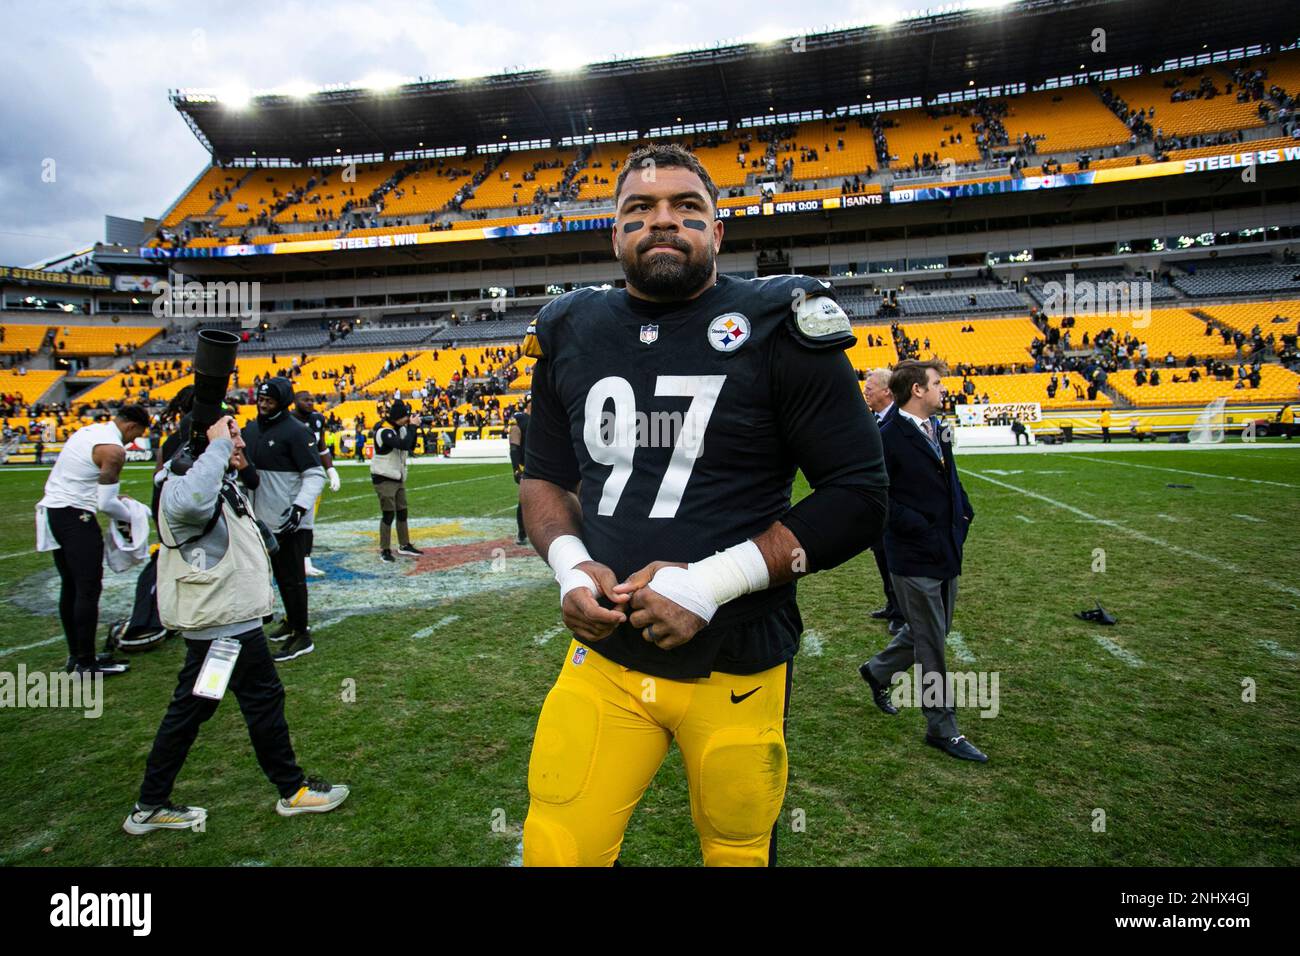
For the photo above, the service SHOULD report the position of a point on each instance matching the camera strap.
(229, 493)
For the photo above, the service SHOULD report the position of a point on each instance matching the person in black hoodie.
(394, 441)
(290, 478)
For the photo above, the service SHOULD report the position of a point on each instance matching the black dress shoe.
(879, 692)
(888, 612)
(958, 747)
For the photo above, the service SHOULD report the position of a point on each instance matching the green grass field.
(452, 657)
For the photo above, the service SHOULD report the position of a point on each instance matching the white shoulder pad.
(819, 322)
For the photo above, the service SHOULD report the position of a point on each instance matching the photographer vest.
(193, 595)
(390, 464)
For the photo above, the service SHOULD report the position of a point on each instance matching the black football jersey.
(315, 423)
(684, 425)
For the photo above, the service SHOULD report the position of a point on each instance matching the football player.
(304, 409)
(518, 435)
(668, 421)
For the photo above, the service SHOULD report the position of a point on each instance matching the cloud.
(86, 83)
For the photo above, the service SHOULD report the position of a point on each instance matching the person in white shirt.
(84, 480)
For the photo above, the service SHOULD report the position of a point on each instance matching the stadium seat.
(30, 387)
(916, 132)
(20, 338)
(496, 192)
(1276, 385)
(1065, 120)
(1030, 387)
(999, 341)
(1187, 117)
(102, 340)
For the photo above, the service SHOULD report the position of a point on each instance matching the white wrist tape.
(109, 503)
(704, 586)
(564, 555)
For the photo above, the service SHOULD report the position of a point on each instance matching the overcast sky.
(84, 100)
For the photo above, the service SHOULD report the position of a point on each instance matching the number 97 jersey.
(681, 426)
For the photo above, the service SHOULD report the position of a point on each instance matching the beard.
(664, 275)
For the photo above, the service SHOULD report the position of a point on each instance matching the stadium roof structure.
(1029, 41)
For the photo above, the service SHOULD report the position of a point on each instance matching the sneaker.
(283, 632)
(165, 817)
(310, 569)
(108, 669)
(314, 796)
(410, 551)
(521, 539)
(386, 555)
(298, 645)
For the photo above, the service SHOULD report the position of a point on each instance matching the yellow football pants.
(603, 732)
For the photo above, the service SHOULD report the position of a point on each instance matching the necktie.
(929, 430)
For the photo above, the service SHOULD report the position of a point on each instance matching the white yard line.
(544, 638)
(436, 625)
(1249, 518)
(1149, 539)
(1183, 471)
(813, 643)
(28, 647)
(1274, 648)
(437, 484)
(1025, 519)
(957, 644)
(1110, 647)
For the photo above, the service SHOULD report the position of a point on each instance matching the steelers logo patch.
(728, 332)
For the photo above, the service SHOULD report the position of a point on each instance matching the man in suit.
(881, 402)
(929, 517)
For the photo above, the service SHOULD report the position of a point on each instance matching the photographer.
(290, 478)
(214, 586)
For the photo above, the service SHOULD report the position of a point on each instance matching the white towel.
(120, 553)
(45, 540)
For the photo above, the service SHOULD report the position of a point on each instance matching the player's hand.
(663, 622)
(582, 612)
(291, 524)
(334, 478)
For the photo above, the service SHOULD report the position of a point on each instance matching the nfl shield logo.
(579, 655)
(649, 335)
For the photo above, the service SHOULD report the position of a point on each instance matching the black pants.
(1105, 435)
(291, 576)
(257, 687)
(80, 561)
(882, 565)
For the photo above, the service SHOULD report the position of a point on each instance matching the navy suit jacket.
(929, 513)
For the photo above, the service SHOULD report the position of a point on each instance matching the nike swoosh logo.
(737, 700)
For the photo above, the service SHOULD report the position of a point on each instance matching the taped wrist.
(564, 555)
(703, 586)
(110, 504)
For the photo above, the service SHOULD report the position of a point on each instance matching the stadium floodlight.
(381, 82)
(298, 89)
(235, 97)
(768, 36)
